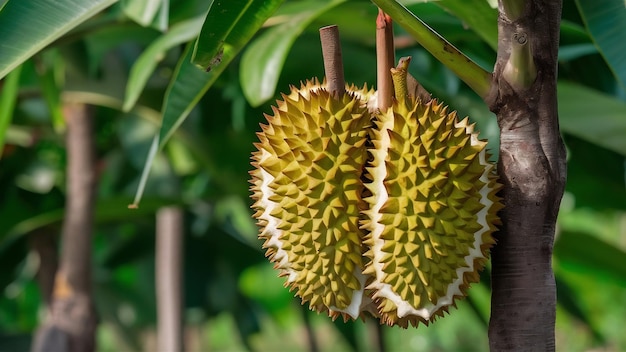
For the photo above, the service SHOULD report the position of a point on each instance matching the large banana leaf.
(606, 22)
(592, 116)
(28, 26)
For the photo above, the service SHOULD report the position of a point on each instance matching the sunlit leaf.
(143, 180)
(143, 11)
(263, 60)
(26, 27)
(146, 63)
(606, 21)
(187, 86)
(230, 23)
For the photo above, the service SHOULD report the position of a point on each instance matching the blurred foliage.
(132, 61)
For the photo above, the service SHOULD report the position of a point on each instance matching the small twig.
(385, 59)
(333, 64)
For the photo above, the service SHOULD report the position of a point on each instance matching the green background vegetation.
(134, 66)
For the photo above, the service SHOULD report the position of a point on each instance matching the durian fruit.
(307, 188)
(389, 212)
(431, 212)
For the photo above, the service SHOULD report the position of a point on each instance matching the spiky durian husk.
(307, 189)
(431, 214)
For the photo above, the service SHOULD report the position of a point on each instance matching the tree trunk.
(532, 168)
(71, 321)
(169, 259)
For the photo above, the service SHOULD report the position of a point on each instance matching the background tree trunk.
(533, 169)
(44, 243)
(71, 322)
(169, 260)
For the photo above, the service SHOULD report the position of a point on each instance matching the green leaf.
(146, 63)
(8, 97)
(569, 300)
(606, 22)
(143, 180)
(583, 253)
(26, 27)
(595, 177)
(574, 51)
(476, 14)
(572, 32)
(230, 23)
(592, 116)
(143, 11)
(187, 86)
(262, 62)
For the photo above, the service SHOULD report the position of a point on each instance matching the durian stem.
(399, 75)
(333, 64)
(385, 59)
(467, 70)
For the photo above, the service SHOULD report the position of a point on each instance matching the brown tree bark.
(71, 321)
(532, 168)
